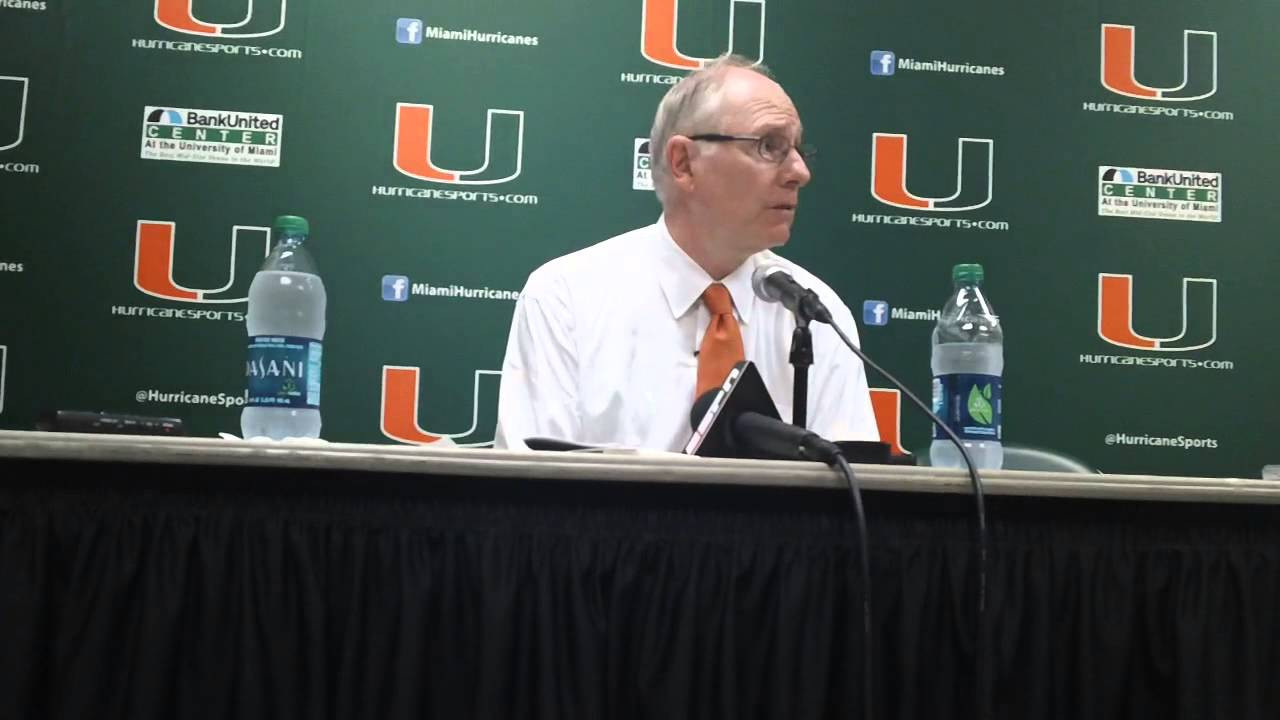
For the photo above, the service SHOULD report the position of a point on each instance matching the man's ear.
(679, 155)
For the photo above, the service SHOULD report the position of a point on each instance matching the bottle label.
(969, 404)
(283, 371)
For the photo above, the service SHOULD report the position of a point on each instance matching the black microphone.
(783, 439)
(772, 283)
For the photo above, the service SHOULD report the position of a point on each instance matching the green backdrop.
(1108, 163)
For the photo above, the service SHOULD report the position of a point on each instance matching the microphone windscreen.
(759, 280)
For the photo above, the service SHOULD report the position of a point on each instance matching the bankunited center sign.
(211, 136)
(1159, 194)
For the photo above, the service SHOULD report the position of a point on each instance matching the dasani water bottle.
(968, 363)
(286, 322)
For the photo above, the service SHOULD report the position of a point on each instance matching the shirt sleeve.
(839, 397)
(538, 393)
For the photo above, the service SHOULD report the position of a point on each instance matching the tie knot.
(718, 299)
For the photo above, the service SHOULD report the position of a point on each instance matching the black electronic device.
(549, 443)
(743, 391)
(85, 421)
(740, 420)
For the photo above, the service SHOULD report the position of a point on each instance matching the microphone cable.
(810, 446)
(772, 283)
(980, 642)
(855, 495)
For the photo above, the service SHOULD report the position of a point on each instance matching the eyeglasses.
(774, 148)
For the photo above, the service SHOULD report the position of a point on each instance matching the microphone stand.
(801, 359)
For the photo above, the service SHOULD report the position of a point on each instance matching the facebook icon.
(882, 62)
(395, 288)
(409, 31)
(875, 312)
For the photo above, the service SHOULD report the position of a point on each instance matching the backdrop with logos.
(1107, 163)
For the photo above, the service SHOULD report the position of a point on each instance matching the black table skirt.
(159, 591)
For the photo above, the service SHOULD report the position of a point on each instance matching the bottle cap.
(967, 274)
(292, 224)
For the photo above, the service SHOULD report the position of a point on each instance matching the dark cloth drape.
(131, 591)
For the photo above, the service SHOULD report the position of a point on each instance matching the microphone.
(784, 439)
(772, 283)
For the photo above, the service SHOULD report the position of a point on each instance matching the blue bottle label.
(283, 371)
(969, 405)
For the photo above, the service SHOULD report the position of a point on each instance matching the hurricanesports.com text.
(465, 195)
(1181, 442)
(930, 221)
(162, 397)
(649, 78)
(217, 48)
(177, 313)
(1124, 109)
(1166, 362)
(16, 167)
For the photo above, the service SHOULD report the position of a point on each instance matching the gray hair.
(687, 108)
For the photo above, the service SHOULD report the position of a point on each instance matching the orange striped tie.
(722, 345)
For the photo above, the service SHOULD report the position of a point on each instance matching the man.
(612, 344)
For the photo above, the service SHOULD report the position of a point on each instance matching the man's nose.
(795, 172)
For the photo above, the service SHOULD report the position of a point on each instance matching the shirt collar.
(683, 280)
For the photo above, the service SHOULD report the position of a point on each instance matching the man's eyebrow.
(777, 126)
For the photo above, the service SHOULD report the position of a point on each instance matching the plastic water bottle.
(286, 321)
(968, 363)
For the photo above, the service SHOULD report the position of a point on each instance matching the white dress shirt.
(602, 348)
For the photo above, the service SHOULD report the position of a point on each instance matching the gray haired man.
(613, 343)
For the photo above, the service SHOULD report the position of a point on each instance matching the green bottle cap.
(967, 274)
(293, 225)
